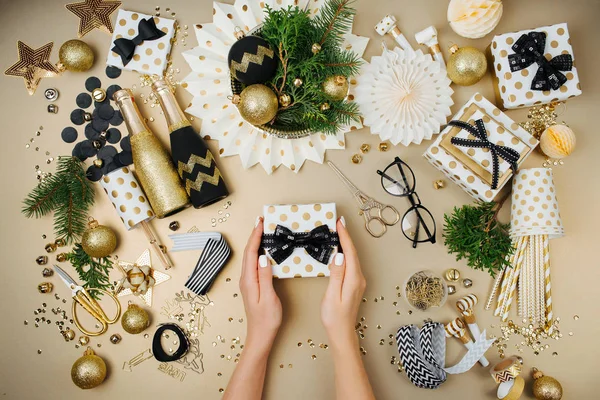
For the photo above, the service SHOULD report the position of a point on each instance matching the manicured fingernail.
(339, 259)
(262, 261)
(343, 221)
(257, 221)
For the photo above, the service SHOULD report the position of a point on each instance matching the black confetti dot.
(98, 104)
(69, 134)
(106, 112)
(87, 148)
(117, 118)
(99, 124)
(125, 144)
(111, 91)
(125, 157)
(83, 100)
(94, 173)
(91, 133)
(106, 152)
(77, 116)
(113, 72)
(92, 83)
(77, 152)
(114, 165)
(114, 135)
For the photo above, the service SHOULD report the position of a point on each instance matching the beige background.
(387, 262)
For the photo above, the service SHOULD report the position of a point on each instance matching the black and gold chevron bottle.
(193, 160)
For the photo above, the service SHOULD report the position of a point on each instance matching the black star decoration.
(33, 65)
(94, 14)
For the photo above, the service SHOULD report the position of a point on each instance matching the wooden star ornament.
(139, 278)
(33, 65)
(94, 14)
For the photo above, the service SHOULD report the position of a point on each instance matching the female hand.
(263, 307)
(344, 293)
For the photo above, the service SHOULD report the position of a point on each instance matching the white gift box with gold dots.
(150, 56)
(300, 218)
(513, 89)
(471, 168)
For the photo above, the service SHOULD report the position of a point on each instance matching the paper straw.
(506, 278)
(495, 288)
(513, 285)
(549, 316)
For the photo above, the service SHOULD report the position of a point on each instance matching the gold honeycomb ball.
(557, 141)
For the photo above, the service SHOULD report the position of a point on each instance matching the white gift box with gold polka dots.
(150, 56)
(300, 218)
(471, 168)
(513, 89)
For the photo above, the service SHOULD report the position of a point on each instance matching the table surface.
(294, 372)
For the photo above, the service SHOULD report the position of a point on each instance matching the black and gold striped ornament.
(251, 60)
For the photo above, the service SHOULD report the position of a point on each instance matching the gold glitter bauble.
(88, 371)
(557, 141)
(76, 55)
(258, 104)
(546, 387)
(466, 65)
(336, 87)
(98, 240)
(135, 319)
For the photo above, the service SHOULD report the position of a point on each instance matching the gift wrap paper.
(471, 168)
(534, 209)
(513, 89)
(300, 218)
(150, 57)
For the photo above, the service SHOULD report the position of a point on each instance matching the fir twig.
(92, 272)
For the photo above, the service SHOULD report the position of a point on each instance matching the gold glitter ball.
(356, 159)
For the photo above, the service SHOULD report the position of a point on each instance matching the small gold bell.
(298, 82)
(99, 94)
(467, 282)
(452, 275)
(47, 272)
(41, 260)
(84, 340)
(451, 289)
(97, 144)
(384, 146)
(50, 248)
(364, 148)
(439, 184)
(45, 287)
(285, 100)
(60, 242)
(316, 48)
(356, 159)
(68, 334)
(174, 225)
(115, 338)
(61, 257)
(324, 107)
(87, 117)
(52, 109)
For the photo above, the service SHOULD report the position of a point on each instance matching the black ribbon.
(157, 350)
(529, 49)
(147, 30)
(509, 155)
(318, 243)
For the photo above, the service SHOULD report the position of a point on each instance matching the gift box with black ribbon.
(300, 239)
(534, 67)
(141, 42)
(481, 149)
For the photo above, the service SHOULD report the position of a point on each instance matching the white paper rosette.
(209, 83)
(474, 19)
(404, 97)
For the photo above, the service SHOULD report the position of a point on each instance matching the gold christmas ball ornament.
(546, 387)
(258, 104)
(285, 100)
(336, 87)
(466, 65)
(76, 56)
(89, 370)
(557, 141)
(98, 240)
(135, 319)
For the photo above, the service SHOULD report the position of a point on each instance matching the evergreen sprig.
(92, 272)
(474, 233)
(67, 193)
(291, 32)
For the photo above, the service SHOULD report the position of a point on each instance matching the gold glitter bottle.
(152, 163)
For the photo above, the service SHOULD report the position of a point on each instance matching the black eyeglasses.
(399, 180)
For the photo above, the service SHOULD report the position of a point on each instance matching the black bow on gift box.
(529, 49)
(318, 243)
(511, 156)
(147, 30)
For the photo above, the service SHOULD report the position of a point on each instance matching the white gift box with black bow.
(516, 77)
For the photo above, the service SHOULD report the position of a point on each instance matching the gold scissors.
(82, 297)
(366, 205)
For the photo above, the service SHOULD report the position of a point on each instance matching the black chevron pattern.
(422, 370)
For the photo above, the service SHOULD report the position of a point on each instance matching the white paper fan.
(209, 83)
(404, 97)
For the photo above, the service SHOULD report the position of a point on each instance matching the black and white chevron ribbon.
(423, 352)
(213, 258)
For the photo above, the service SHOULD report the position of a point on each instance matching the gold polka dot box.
(471, 168)
(534, 209)
(127, 197)
(513, 89)
(300, 218)
(150, 56)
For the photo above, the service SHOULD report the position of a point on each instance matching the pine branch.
(334, 21)
(96, 273)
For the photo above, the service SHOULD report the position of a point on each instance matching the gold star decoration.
(93, 14)
(139, 278)
(33, 65)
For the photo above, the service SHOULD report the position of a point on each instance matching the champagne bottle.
(194, 161)
(152, 163)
